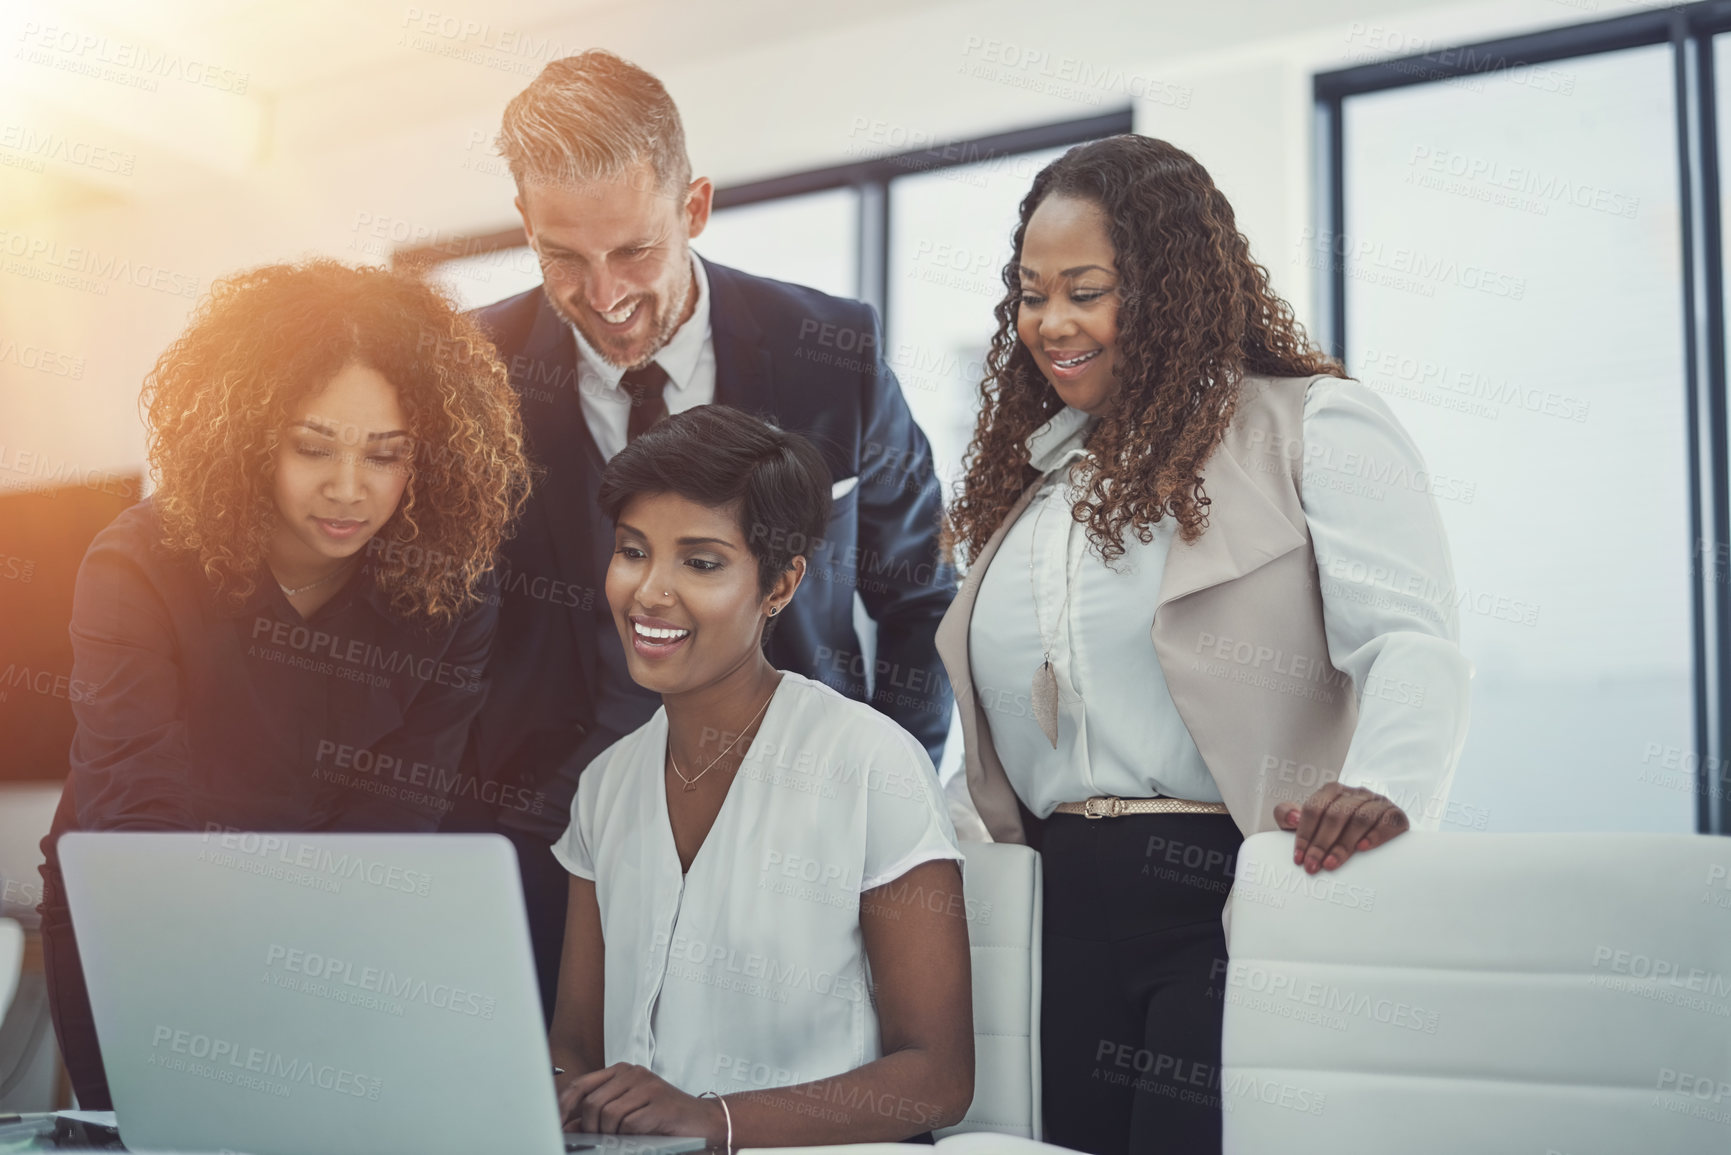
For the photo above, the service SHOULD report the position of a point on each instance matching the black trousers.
(68, 1001)
(1134, 981)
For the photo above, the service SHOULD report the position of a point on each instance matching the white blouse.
(750, 971)
(1387, 589)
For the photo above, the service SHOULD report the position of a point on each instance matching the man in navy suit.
(629, 325)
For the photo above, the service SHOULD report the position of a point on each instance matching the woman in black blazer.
(288, 634)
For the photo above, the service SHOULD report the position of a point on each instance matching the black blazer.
(805, 360)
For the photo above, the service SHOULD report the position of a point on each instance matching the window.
(950, 234)
(810, 240)
(1506, 265)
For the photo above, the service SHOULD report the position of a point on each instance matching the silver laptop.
(302, 994)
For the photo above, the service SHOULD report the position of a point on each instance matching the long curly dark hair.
(1195, 316)
(216, 405)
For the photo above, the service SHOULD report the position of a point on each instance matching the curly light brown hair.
(217, 405)
(1195, 316)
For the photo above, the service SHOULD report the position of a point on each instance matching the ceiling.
(105, 100)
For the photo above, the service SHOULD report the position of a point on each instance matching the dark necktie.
(647, 388)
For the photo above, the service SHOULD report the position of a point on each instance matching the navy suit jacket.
(806, 361)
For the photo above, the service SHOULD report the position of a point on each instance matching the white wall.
(401, 150)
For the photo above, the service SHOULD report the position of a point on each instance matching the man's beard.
(666, 324)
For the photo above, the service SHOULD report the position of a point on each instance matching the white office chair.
(1002, 885)
(1565, 993)
(29, 1058)
(11, 962)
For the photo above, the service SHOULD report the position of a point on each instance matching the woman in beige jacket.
(1208, 594)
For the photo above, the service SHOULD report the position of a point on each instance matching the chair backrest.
(26, 812)
(11, 962)
(1002, 886)
(1564, 993)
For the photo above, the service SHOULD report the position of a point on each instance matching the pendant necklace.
(691, 783)
(1044, 695)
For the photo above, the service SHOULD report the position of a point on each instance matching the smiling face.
(1068, 312)
(340, 470)
(685, 594)
(616, 257)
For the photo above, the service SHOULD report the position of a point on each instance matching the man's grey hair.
(594, 116)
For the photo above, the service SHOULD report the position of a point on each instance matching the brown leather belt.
(1109, 807)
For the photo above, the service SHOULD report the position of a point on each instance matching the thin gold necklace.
(691, 783)
(298, 590)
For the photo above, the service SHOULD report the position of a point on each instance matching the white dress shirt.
(751, 971)
(1386, 584)
(688, 358)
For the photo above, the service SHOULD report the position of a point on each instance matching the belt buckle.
(1102, 807)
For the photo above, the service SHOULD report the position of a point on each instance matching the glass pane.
(488, 277)
(809, 240)
(950, 234)
(1513, 263)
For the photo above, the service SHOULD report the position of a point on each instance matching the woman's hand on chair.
(1337, 822)
(626, 1099)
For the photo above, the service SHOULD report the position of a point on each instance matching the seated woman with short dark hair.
(766, 942)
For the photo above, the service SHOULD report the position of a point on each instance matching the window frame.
(1690, 30)
(871, 178)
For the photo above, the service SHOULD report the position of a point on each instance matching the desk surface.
(36, 1133)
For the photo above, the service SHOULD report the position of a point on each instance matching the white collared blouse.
(1389, 610)
(750, 970)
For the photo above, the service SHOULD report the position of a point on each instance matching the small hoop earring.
(773, 610)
